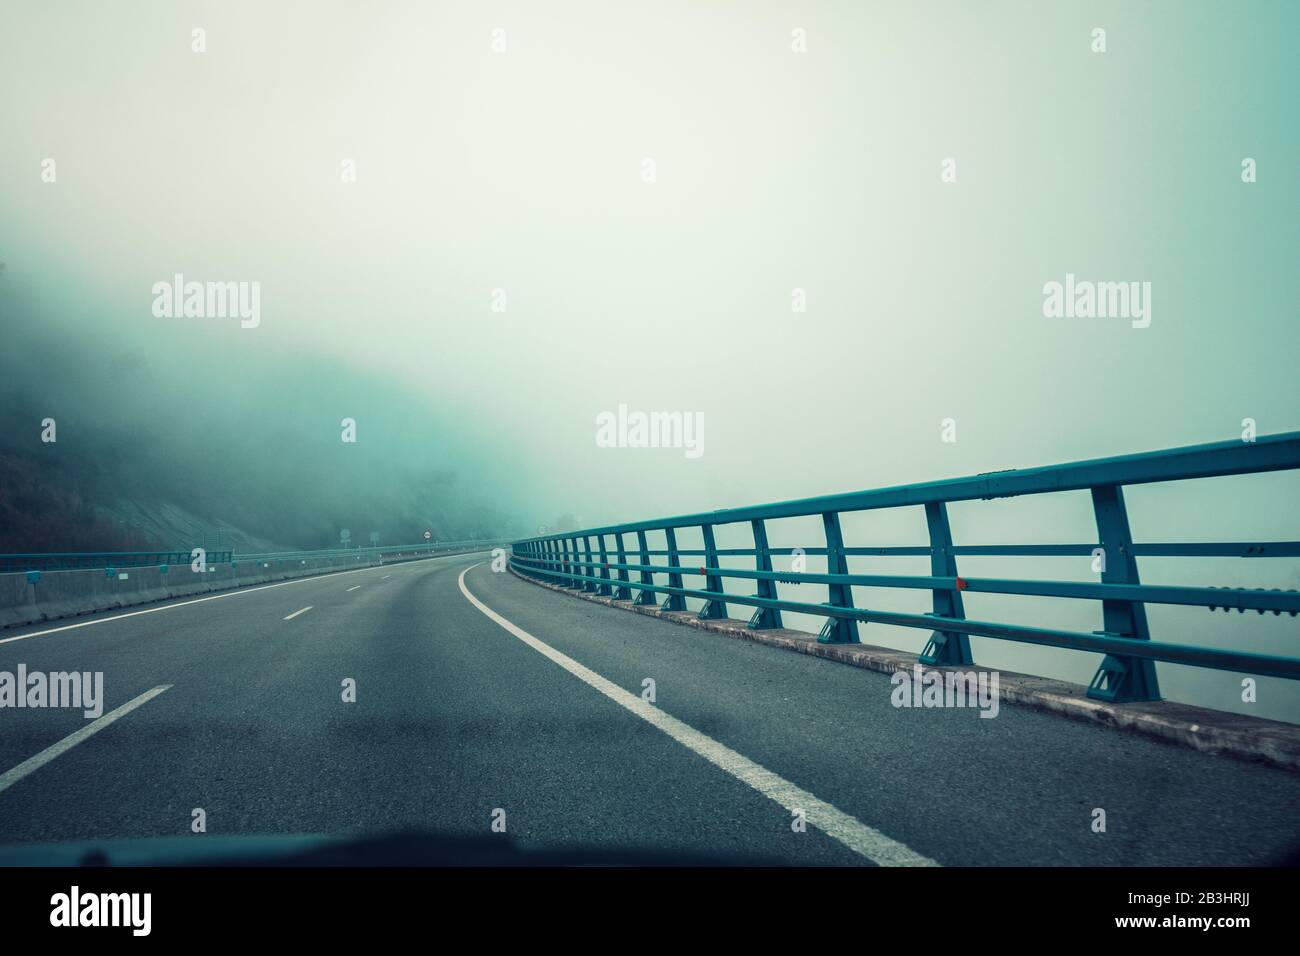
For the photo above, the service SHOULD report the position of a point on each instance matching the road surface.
(477, 691)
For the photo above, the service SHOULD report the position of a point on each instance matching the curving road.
(482, 692)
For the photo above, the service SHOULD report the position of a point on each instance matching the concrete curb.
(1209, 731)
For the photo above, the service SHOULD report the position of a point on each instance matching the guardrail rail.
(96, 560)
(112, 560)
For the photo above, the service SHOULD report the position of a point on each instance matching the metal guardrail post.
(644, 597)
(712, 608)
(603, 588)
(1120, 678)
(593, 553)
(622, 592)
(764, 617)
(945, 648)
(837, 630)
(587, 586)
(571, 567)
(673, 602)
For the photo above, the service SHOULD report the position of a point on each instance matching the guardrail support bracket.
(945, 648)
(673, 602)
(837, 630)
(604, 589)
(1120, 679)
(644, 598)
(764, 618)
(712, 610)
(622, 592)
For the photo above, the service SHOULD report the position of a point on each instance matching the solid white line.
(353, 588)
(835, 823)
(32, 764)
(233, 592)
(299, 611)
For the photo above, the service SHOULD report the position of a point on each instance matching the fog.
(476, 243)
(171, 443)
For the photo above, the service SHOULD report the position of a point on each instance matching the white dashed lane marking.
(32, 764)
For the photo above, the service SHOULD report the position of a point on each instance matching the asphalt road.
(457, 716)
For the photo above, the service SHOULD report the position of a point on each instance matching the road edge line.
(857, 836)
(1257, 740)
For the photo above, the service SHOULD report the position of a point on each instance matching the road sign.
(428, 535)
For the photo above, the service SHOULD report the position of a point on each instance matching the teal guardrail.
(95, 560)
(427, 547)
(1127, 670)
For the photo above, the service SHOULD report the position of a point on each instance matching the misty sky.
(775, 170)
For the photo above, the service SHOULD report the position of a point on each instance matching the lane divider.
(835, 823)
(304, 610)
(353, 588)
(32, 764)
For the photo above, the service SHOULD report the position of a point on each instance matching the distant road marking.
(32, 764)
(299, 611)
(385, 577)
(233, 592)
(835, 823)
(354, 587)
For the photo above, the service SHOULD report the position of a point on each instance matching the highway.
(477, 690)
